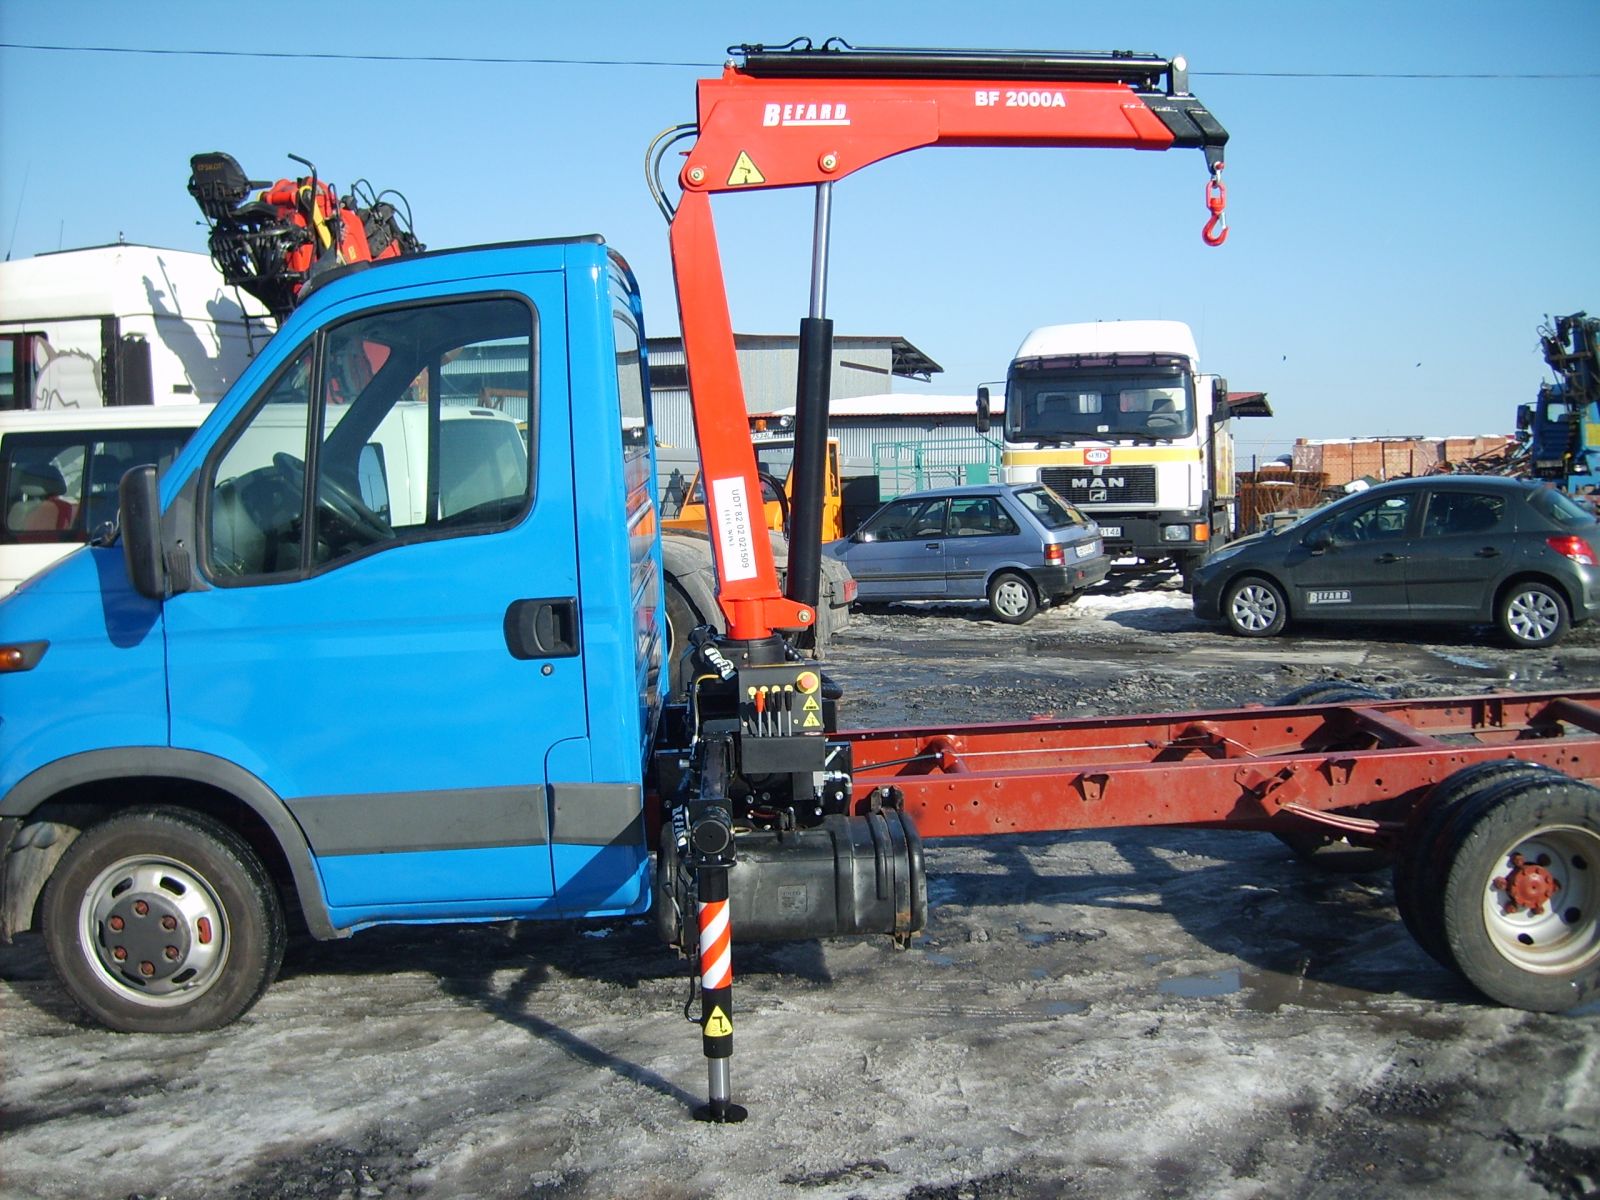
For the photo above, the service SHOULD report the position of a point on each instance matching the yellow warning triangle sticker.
(745, 173)
(810, 722)
(811, 704)
(717, 1024)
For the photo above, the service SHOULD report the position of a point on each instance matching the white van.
(59, 471)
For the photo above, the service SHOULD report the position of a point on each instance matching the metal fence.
(913, 466)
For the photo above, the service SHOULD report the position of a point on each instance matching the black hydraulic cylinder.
(809, 469)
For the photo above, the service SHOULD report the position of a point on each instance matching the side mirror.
(1219, 394)
(139, 516)
(1319, 539)
(982, 421)
(1524, 417)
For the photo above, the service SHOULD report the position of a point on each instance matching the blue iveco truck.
(389, 639)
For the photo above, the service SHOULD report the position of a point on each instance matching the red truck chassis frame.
(1255, 767)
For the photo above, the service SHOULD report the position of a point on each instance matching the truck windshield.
(1100, 403)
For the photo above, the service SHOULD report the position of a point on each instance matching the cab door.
(390, 634)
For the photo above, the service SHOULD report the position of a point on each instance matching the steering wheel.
(771, 489)
(338, 499)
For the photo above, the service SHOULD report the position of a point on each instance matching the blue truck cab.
(384, 644)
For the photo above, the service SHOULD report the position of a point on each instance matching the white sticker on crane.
(734, 535)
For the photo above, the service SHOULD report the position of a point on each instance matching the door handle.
(930, 545)
(545, 628)
(1391, 557)
(1487, 552)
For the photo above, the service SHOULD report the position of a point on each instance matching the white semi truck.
(1117, 418)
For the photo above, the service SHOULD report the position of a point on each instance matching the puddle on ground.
(1263, 991)
(1197, 987)
(1462, 660)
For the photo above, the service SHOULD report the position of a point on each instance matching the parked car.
(1018, 547)
(1464, 548)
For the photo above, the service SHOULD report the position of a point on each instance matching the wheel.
(1255, 607)
(1326, 848)
(162, 921)
(1329, 691)
(1012, 598)
(1521, 895)
(1419, 858)
(1532, 615)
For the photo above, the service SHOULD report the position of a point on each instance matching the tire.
(681, 618)
(1420, 859)
(187, 904)
(1532, 615)
(1012, 598)
(1521, 894)
(1326, 848)
(1329, 691)
(1255, 607)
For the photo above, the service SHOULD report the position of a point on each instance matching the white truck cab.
(1116, 417)
(122, 325)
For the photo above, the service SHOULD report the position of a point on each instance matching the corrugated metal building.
(769, 367)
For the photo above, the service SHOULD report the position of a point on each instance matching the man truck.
(1117, 418)
(270, 696)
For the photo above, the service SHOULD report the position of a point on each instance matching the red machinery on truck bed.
(1486, 801)
(274, 242)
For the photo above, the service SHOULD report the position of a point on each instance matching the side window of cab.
(409, 424)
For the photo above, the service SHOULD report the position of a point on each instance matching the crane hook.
(1216, 230)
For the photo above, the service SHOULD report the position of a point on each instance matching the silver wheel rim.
(1255, 607)
(153, 931)
(1533, 616)
(1012, 597)
(1561, 935)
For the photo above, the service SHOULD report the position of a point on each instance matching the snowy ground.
(1150, 1013)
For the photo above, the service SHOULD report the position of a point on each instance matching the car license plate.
(1087, 550)
(1111, 531)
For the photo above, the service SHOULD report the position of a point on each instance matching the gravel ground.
(1124, 1014)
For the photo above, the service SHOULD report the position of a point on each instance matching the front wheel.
(1012, 598)
(1532, 615)
(1255, 607)
(162, 921)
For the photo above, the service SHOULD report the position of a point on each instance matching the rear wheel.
(1255, 607)
(1421, 857)
(162, 921)
(681, 618)
(1521, 897)
(1012, 598)
(1532, 615)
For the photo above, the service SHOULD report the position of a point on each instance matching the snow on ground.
(1117, 1014)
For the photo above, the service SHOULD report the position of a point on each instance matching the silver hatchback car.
(1018, 546)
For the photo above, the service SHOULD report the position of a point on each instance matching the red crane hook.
(1216, 230)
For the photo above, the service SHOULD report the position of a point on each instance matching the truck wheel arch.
(74, 779)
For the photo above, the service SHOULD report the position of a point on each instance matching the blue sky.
(1395, 242)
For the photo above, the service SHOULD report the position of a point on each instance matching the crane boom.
(795, 116)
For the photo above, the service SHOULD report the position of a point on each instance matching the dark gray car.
(1468, 548)
(1016, 546)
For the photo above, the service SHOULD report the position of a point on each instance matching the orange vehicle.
(772, 435)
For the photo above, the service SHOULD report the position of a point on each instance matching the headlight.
(1175, 533)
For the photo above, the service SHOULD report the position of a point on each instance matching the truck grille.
(1105, 485)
